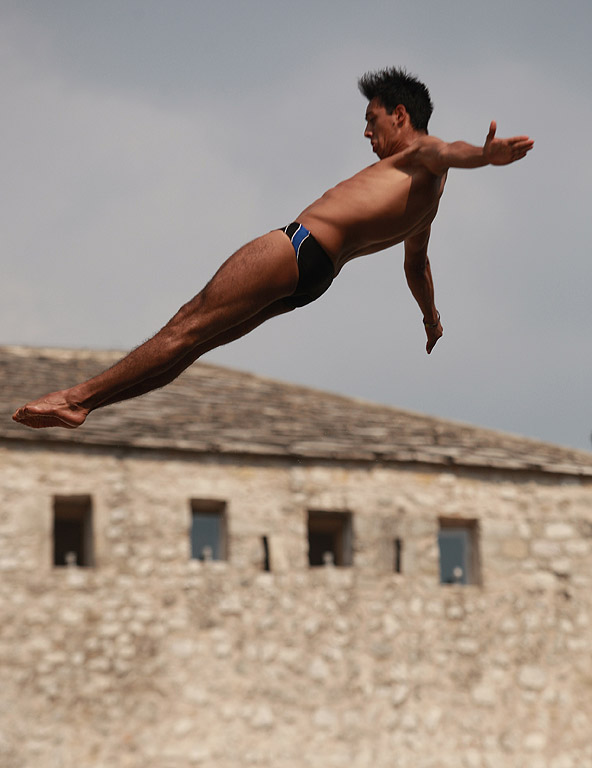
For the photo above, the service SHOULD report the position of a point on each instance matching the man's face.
(381, 129)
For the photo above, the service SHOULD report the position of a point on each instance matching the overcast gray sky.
(144, 141)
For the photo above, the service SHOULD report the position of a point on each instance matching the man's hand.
(434, 331)
(505, 151)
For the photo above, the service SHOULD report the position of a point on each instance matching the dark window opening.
(329, 538)
(458, 543)
(266, 556)
(208, 530)
(72, 531)
(398, 555)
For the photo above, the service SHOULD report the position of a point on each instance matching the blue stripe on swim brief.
(297, 238)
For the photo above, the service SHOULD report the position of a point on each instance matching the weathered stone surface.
(152, 659)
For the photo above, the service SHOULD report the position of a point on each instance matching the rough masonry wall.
(151, 659)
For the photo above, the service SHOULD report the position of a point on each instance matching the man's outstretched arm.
(438, 156)
(421, 284)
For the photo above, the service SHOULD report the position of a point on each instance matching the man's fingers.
(431, 344)
(492, 130)
(521, 147)
(522, 141)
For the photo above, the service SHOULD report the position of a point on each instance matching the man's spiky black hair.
(396, 86)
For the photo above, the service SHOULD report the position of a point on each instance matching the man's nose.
(367, 132)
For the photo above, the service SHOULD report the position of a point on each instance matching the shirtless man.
(392, 201)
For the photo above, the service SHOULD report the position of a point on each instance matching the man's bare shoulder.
(419, 154)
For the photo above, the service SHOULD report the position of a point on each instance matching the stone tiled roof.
(210, 409)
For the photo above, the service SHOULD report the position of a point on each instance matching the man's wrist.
(429, 324)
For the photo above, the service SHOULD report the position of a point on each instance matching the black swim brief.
(315, 268)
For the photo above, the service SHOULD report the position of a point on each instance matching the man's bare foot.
(53, 410)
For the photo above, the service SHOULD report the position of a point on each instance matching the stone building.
(236, 572)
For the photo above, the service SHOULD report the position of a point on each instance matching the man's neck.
(405, 140)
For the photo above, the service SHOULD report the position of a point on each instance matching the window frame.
(213, 508)
(339, 525)
(75, 508)
(449, 528)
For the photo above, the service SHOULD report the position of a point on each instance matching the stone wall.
(153, 659)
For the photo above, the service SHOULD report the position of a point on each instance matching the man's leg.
(255, 277)
(157, 382)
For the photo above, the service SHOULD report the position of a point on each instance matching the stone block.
(561, 566)
(516, 549)
(484, 695)
(545, 548)
(532, 678)
(263, 718)
(535, 741)
(560, 531)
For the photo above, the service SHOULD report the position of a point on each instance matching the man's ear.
(400, 115)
